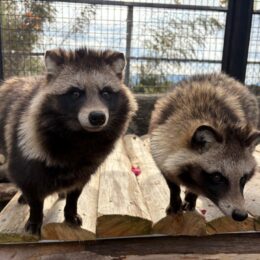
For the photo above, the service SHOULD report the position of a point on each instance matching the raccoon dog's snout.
(93, 120)
(239, 215)
(97, 118)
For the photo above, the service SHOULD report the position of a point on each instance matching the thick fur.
(45, 131)
(202, 136)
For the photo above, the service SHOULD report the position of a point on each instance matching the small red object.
(203, 211)
(136, 170)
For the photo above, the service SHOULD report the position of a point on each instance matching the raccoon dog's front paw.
(172, 210)
(187, 206)
(74, 219)
(62, 195)
(22, 200)
(33, 228)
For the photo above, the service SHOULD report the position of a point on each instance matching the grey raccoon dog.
(56, 129)
(203, 134)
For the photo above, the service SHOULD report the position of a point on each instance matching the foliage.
(82, 20)
(152, 89)
(178, 39)
(23, 25)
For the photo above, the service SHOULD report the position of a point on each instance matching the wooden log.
(54, 226)
(156, 193)
(189, 223)
(13, 218)
(121, 207)
(7, 191)
(227, 224)
(151, 182)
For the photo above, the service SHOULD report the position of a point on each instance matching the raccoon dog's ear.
(53, 62)
(253, 139)
(117, 62)
(203, 137)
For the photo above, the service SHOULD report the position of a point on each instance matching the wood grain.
(13, 218)
(54, 226)
(121, 207)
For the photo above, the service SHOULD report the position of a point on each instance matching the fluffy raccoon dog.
(203, 134)
(57, 129)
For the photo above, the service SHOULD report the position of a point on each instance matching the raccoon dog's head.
(84, 89)
(217, 166)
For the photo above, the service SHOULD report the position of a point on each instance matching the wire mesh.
(164, 45)
(253, 61)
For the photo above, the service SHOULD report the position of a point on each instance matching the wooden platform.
(128, 197)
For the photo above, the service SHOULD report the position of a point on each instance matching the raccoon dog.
(203, 134)
(57, 129)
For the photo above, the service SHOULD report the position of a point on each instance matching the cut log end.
(226, 224)
(63, 231)
(119, 225)
(17, 237)
(188, 223)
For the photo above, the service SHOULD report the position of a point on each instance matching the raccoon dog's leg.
(62, 195)
(70, 210)
(34, 222)
(175, 198)
(190, 201)
(22, 200)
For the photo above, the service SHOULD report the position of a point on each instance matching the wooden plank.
(156, 193)
(54, 226)
(7, 191)
(151, 182)
(246, 243)
(13, 218)
(121, 207)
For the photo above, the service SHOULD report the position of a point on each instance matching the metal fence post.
(129, 29)
(237, 37)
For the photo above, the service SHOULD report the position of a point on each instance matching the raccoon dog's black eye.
(217, 177)
(106, 93)
(75, 93)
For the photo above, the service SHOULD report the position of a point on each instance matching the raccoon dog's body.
(202, 136)
(56, 130)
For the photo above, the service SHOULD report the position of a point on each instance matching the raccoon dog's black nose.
(239, 215)
(97, 118)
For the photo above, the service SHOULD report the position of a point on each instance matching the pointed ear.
(253, 140)
(53, 62)
(204, 137)
(117, 62)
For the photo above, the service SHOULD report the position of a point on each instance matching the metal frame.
(236, 40)
(237, 37)
(129, 30)
(147, 5)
